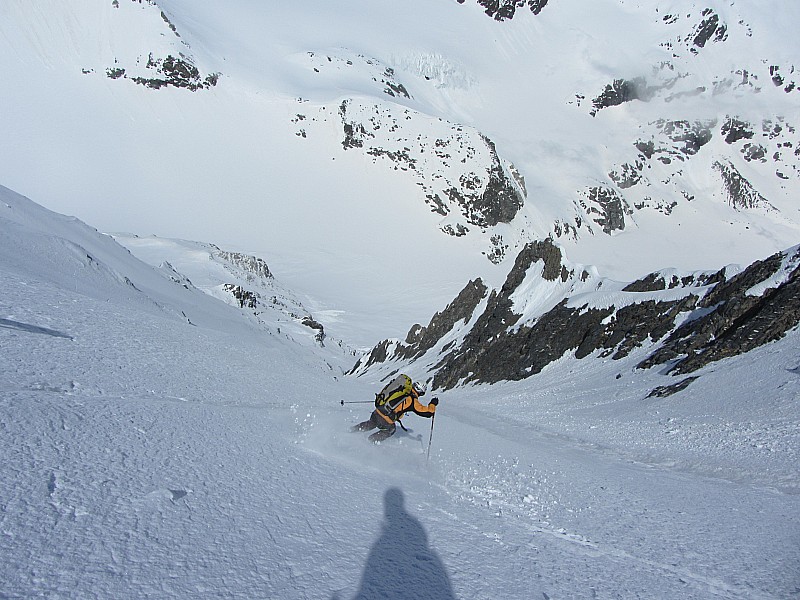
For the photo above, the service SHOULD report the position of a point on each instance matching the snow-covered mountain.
(608, 189)
(227, 291)
(639, 137)
(240, 280)
(549, 309)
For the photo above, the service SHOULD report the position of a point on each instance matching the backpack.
(393, 392)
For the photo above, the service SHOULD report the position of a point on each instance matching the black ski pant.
(385, 429)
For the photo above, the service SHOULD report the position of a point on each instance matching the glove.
(435, 401)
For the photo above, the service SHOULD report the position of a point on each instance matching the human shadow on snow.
(401, 564)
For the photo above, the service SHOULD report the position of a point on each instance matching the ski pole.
(433, 418)
(358, 402)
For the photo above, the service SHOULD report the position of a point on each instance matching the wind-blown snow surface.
(147, 456)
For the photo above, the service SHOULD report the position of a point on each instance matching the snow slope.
(159, 440)
(145, 456)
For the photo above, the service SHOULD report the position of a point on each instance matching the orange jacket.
(409, 403)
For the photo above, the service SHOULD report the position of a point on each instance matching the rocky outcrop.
(655, 178)
(458, 170)
(496, 317)
(501, 10)
(381, 353)
(761, 146)
(687, 321)
(253, 266)
(245, 298)
(495, 350)
(663, 391)
(688, 136)
(162, 68)
(739, 191)
(606, 208)
(710, 29)
(787, 81)
(311, 323)
(734, 129)
(621, 91)
(177, 72)
(734, 319)
(497, 202)
(421, 339)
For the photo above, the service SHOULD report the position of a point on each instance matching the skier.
(397, 398)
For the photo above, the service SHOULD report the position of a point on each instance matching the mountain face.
(168, 61)
(687, 320)
(702, 136)
(635, 137)
(245, 284)
(482, 195)
(732, 148)
(598, 126)
(669, 150)
(505, 9)
(200, 285)
(548, 309)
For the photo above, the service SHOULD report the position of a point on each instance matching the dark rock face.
(606, 208)
(492, 353)
(500, 201)
(379, 354)
(255, 267)
(501, 10)
(778, 78)
(709, 29)
(692, 135)
(421, 339)
(497, 353)
(735, 129)
(734, 321)
(245, 298)
(393, 88)
(173, 70)
(176, 72)
(656, 282)
(308, 321)
(628, 175)
(621, 91)
(721, 318)
(741, 193)
(354, 132)
(545, 251)
(754, 152)
(663, 391)
(480, 188)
